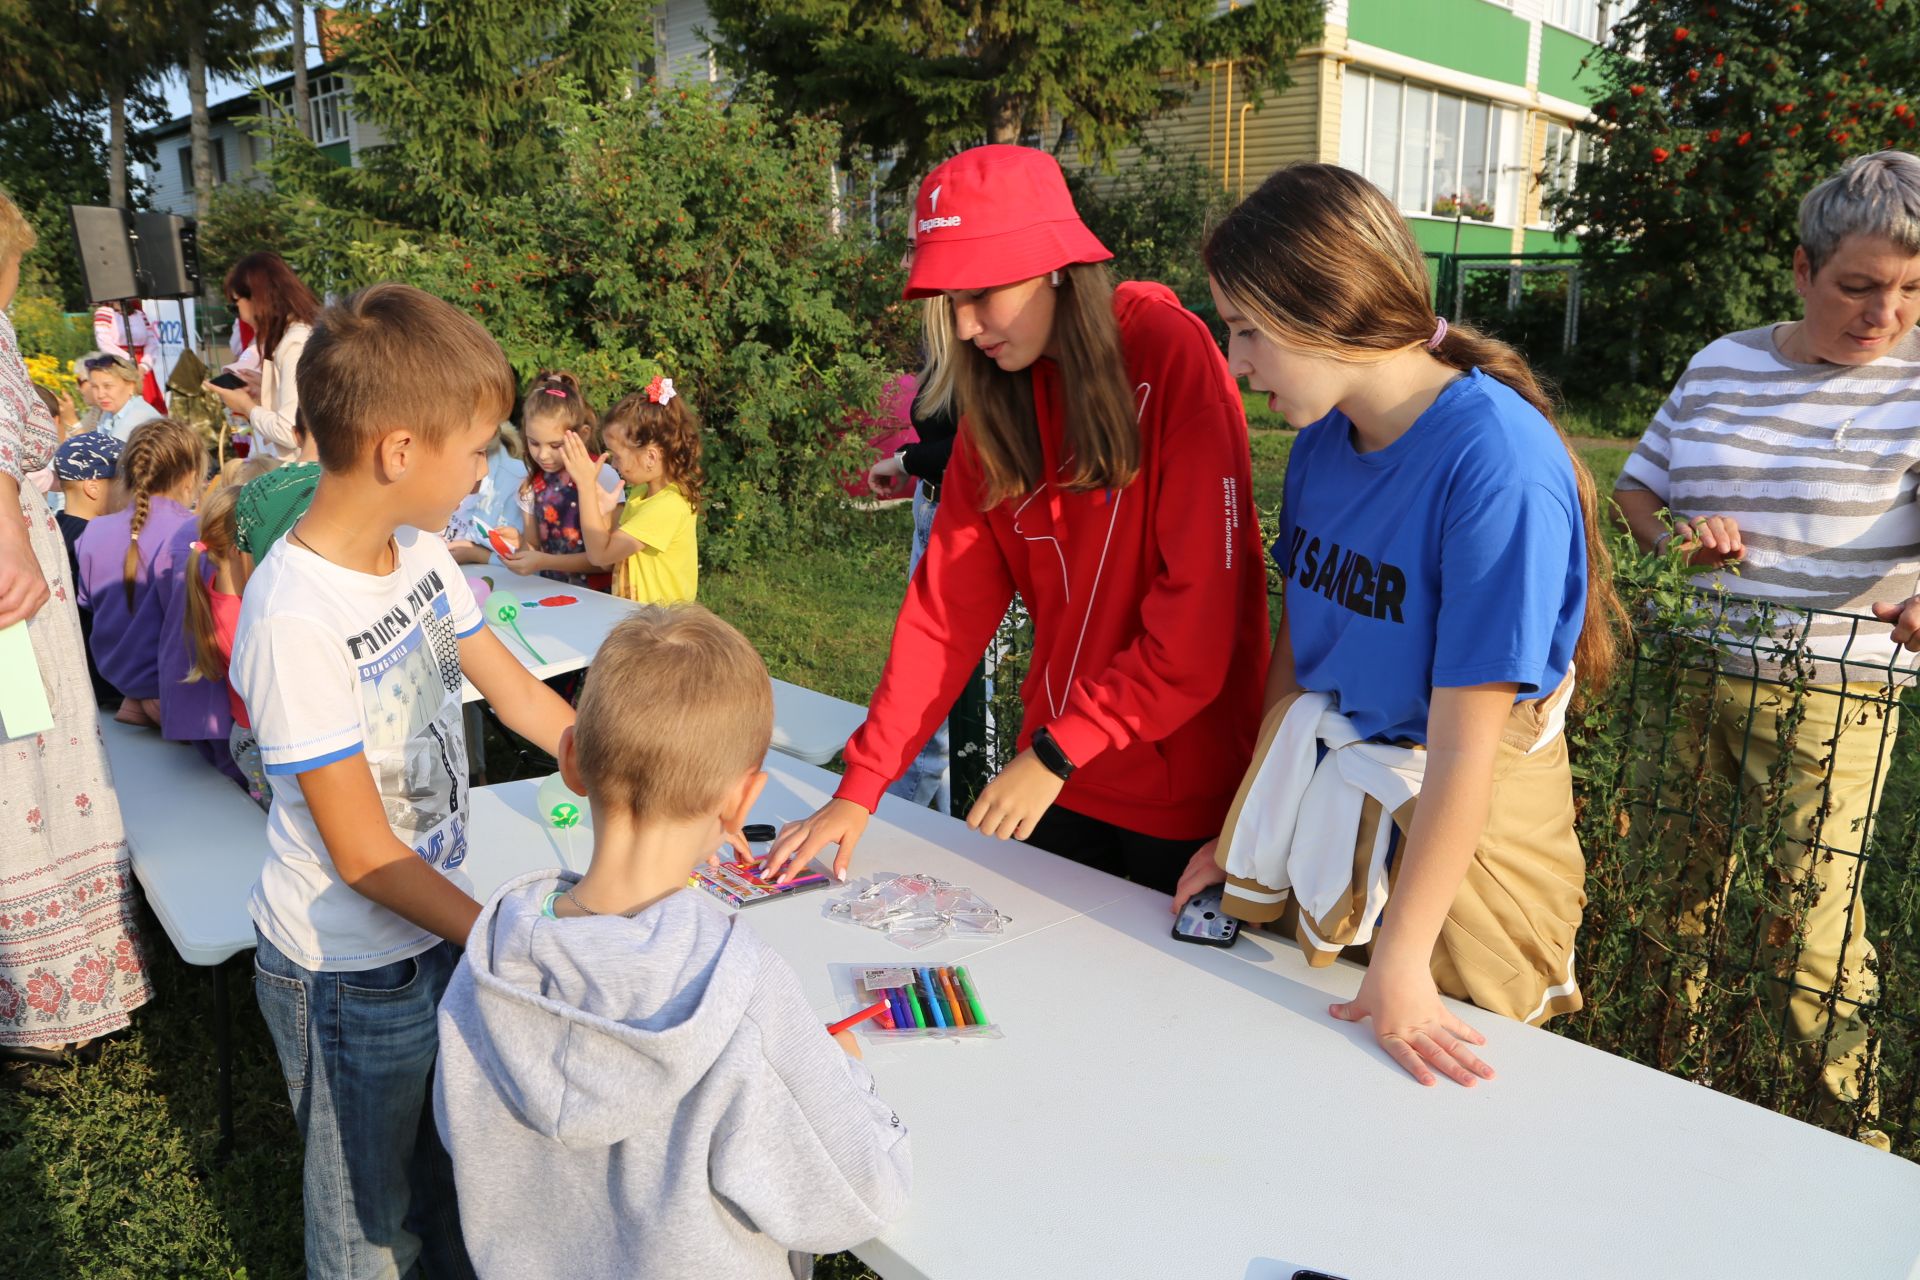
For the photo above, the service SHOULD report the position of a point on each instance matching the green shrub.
(45, 330)
(693, 236)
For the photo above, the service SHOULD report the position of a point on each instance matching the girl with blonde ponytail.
(1447, 585)
(129, 559)
(210, 587)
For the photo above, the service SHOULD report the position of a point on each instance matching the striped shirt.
(1818, 464)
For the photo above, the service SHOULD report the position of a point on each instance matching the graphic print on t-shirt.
(1368, 586)
(408, 662)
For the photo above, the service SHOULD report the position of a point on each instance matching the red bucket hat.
(994, 215)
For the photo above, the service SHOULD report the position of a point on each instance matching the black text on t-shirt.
(1346, 577)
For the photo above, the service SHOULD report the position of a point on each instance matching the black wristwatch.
(1049, 753)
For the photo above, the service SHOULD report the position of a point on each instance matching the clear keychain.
(917, 910)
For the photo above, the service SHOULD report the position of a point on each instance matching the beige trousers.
(1817, 780)
(1507, 943)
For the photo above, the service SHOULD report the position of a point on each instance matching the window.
(219, 149)
(327, 105)
(1433, 152)
(1582, 17)
(1566, 150)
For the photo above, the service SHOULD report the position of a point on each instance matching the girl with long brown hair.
(277, 305)
(1102, 471)
(1447, 583)
(129, 559)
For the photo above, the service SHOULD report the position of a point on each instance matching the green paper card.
(23, 699)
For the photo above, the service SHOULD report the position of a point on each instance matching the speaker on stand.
(166, 249)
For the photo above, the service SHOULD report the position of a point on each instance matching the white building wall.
(685, 57)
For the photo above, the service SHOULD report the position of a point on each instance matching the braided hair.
(159, 455)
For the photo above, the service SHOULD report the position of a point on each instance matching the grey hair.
(1876, 195)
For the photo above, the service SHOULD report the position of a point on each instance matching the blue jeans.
(358, 1050)
(928, 780)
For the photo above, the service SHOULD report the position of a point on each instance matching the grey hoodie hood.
(651, 1096)
(659, 1016)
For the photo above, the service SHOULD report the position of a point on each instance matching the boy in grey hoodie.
(630, 1083)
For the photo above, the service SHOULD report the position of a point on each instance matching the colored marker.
(953, 1001)
(885, 1018)
(973, 1001)
(913, 1005)
(901, 1018)
(933, 1001)
(871, 1011)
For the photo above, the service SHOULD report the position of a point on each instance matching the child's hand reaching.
(524, 560)
(848, 1043)
(580, 464)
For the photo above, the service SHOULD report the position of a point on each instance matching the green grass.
(111, 1172)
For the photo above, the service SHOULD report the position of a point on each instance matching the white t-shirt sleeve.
(300, 691)
(463, 610)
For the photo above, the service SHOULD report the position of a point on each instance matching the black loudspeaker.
(167, 248)
(103, 240)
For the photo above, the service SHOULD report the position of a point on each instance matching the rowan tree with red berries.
(1716, 118)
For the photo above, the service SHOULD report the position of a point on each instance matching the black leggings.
(1146, 860)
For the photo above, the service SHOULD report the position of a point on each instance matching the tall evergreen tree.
(462, 90)
(932, 76)
(1716, 118)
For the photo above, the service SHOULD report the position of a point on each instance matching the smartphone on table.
(1203, 921)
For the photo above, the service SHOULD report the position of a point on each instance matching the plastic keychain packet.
(907, 1002)
(918, 910)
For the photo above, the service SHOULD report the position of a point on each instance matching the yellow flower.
(46, 371)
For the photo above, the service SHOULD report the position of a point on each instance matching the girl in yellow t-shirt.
(653, 442)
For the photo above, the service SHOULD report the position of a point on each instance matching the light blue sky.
(222, 87)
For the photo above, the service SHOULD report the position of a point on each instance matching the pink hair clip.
(555, 391)
(660, 390)
(199, 546)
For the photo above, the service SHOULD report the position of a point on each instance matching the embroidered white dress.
(71, 965)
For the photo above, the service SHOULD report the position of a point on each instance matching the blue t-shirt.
(1455, 556)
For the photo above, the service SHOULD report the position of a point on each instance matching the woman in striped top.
(1785, 465)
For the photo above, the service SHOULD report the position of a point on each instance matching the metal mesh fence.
(1749, 805)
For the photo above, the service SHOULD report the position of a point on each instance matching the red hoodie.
(1149, 603)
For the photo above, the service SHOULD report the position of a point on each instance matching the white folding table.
(808, 725)
(196, 843)
(1158, 1108)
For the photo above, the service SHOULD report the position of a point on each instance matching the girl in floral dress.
(71, 967)
(550, 544)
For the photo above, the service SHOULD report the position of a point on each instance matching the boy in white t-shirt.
(352, 639)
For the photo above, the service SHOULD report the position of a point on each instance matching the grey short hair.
(1876, 195)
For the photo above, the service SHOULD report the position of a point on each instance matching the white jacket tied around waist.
(1313, 822)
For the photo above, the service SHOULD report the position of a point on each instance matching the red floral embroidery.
(28, 920)
(126, 956)
(12, 1003)
(45, 993)
(89, 980)
(53, 910)
(83, 803)
(33, 821)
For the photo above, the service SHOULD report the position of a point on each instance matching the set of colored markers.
(937, 1000)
